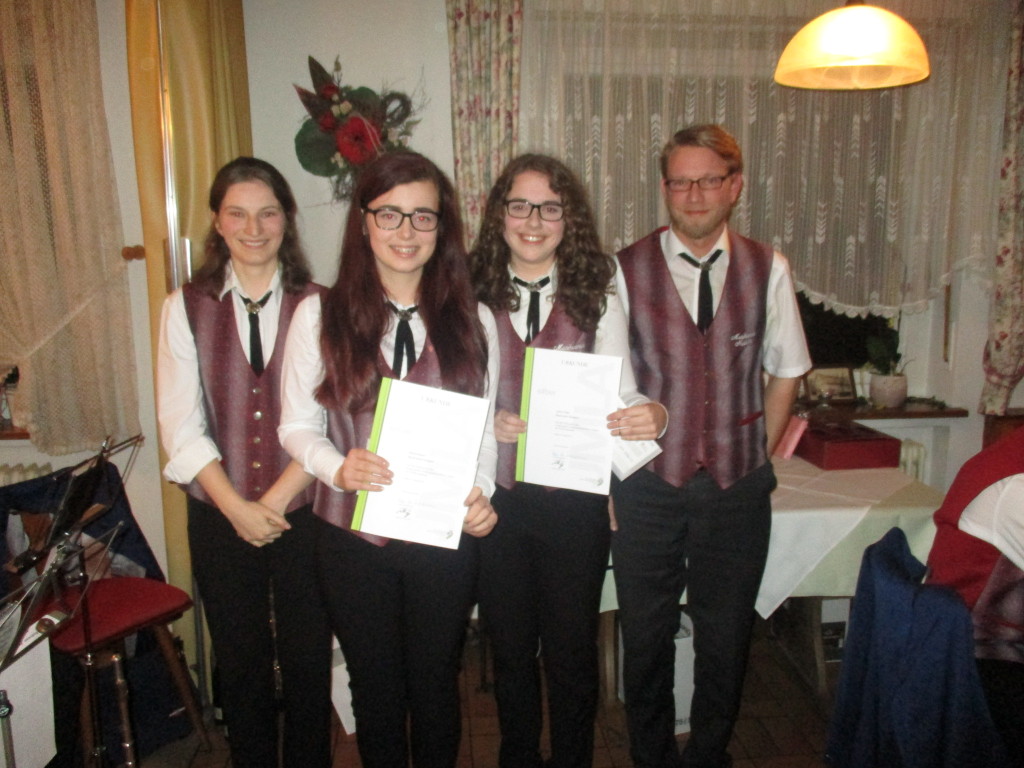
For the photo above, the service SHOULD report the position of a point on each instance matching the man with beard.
(717, 339)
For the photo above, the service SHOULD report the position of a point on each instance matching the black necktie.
(404, 346)
(705, 303)
(255, 345)
(533, 311)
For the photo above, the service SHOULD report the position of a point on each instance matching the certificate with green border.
(431, 440)
(566, 399)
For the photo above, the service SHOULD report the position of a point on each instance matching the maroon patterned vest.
(711, 384)
(349, 430)
(242, 409)
(558, 333)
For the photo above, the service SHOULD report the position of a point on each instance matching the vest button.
(257, 440)
(256, 465)
(256, 390)
(257, 489)
(258, 415)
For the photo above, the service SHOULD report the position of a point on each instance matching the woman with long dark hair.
(403, 307)
(250, 521)
(539, 266)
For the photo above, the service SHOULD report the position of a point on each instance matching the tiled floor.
(781, 724)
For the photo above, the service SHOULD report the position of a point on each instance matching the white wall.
(401, 45)
(959, 380)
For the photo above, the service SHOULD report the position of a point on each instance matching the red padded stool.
(118, 607)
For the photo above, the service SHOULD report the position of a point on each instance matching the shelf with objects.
(921, 424)
(861, 409)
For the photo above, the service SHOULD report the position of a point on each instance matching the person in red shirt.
(985, 504)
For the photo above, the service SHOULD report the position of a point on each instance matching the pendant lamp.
(855, 47)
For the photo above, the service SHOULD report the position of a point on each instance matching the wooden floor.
(781, 724)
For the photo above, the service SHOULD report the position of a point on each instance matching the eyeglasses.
(523, 209)
(705, 183)
(422, 219)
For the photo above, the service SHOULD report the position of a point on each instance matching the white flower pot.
(887, 391)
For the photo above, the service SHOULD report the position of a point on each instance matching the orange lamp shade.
(855, 47)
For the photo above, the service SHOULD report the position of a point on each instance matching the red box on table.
(847, 445)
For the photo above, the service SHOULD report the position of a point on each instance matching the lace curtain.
(876, 197)
(484, 41)
(1004, 353)
(64, 304)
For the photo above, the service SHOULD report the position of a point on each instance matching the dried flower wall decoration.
(348, 126)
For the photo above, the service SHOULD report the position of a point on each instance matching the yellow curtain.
(204, 70)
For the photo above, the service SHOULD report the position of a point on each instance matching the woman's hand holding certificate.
(363, 471)
(431, 438)
(508, 427)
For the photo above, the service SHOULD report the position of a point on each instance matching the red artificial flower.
(358, 140)
(327, 122)
(328, 91)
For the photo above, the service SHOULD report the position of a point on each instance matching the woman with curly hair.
(403, 307)
(250, 520)
(539, 266)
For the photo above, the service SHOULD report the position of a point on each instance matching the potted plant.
(888, 386)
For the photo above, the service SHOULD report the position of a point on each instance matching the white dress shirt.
(997, 516)
(784, 351)
(182, 417)
(303, 428)
(611, 337)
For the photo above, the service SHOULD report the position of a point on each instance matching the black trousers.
(1003, 682)
(541, 572)
(713, 543)
(400, 613)
(235, 580)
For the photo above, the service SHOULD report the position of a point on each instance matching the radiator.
(15, 473)
(913, 459)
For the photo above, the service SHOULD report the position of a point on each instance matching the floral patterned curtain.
(65, 319)
(1004, 353)
(484, 40)
(876, 197)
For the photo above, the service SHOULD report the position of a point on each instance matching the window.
(838, 340)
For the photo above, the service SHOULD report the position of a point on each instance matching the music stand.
(36, 610)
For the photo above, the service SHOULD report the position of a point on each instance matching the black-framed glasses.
(523, 209)
(705, 183)
(422, 219)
